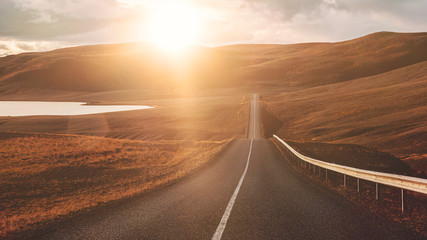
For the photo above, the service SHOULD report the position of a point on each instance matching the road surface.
(247, 193)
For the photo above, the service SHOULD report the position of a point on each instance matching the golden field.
(55, 166)
(46, 176)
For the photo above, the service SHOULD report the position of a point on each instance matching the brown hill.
(257, 67)
(387, 112)
(314, 64)
(369, 91)
(113, 67)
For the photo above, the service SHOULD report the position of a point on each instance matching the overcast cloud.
(39, 25)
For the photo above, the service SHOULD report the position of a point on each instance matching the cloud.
(278, 21)
(43, 17)
(223, 21)
(9, 46)
(88, 9)
(56, 20)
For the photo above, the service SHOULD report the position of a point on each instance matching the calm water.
(30, 108)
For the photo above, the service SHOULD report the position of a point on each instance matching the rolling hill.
(112, 67)
(315, 64)
(386, 112)
(355, 103)
(369, 91)
(264, 67)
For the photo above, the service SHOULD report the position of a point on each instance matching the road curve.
(270, 202)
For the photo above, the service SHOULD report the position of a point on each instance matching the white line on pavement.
(221, 227)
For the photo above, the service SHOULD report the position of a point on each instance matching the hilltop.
(369, 91)
(264, 67)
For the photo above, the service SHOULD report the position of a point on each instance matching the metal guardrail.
(394, 180)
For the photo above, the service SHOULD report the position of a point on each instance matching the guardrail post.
(377, 191)
(345, 181)
(358, 185)
(403, 193)
(406, 183)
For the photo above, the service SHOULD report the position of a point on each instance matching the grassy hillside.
(56, 169)
(198, 118)
(387, 112)
(368, 91)
(49, 176)
(257, 67)
(114, 67)
(296, 66)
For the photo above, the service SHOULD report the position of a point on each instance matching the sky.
(40, 25)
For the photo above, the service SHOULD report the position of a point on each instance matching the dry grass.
(255, 67)
(275, 68)
(192, 118)
(353, 156)
(385, 112)
(45, 176)
(54, 172)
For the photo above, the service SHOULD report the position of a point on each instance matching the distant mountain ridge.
(141, 65)
(314, 64)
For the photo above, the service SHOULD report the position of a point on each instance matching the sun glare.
(173, 27)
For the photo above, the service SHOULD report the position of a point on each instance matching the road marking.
(255, 102)
(221, 227)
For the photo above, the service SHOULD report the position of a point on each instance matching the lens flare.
(173, 27)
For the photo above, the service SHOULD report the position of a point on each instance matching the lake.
(34, 108)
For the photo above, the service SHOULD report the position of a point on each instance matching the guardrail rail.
(395, 180)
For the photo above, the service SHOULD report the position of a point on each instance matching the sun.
(173, 27)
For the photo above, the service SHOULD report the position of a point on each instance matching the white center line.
(221, 227)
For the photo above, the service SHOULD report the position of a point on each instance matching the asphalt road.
(247, 193)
